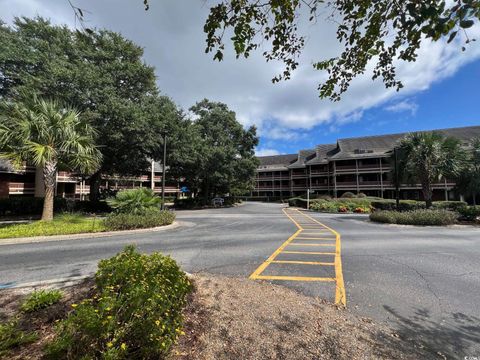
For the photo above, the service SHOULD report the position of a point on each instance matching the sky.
(441, 87)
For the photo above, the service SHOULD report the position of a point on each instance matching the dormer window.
(363, 151)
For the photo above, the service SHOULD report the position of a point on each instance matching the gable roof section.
(322, 153)
(276, 161)
(302, 158)
(381, 145)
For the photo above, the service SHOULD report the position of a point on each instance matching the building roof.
(380, 145)
(355, 148)
(322, 153)
(276, 162)
(302, 157)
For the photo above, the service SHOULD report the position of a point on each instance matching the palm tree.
(47, 135)
(427, 157)
(468, 182)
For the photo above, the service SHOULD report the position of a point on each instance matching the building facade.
(358, 165)
(28, 181)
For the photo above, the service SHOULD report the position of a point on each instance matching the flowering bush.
(136, 312)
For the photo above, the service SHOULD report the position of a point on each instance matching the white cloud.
(172, 34)
(403, 106)
(266, 152)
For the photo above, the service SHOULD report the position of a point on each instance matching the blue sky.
(452, 102)
(441, 87)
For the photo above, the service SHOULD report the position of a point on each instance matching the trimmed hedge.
(341, 206)
(415, 217)
(348, 195)
(135, 312)
(18, 206)
(409, 205)
(470, 213)
(148, 219)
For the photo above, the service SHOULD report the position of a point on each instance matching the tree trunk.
(474, 199)
(427, 194)
(50, 179)
(95, 180)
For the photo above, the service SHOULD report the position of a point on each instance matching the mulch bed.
(233, 318)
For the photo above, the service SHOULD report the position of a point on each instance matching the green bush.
(405, 205)
(470, 213)
(41, 299)
(415, 217)
(449, 205)
(361, 195)
(149, 219)
(341, 205)
(348, 195)
(11, 337)
(134, 201)
(136, 312)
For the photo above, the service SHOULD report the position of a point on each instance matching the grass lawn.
(61, 225)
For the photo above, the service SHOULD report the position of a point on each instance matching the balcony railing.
(21, 188)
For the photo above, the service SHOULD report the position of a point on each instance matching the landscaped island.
(129, 210)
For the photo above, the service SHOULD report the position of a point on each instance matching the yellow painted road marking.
(302, 262)
(340, 295)
(317, 228)
(306, 244)
(307, 252)
(315, 238)
(293, 278)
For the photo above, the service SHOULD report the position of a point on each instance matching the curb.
(82, 236)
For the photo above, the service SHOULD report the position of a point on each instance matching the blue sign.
(184, 189)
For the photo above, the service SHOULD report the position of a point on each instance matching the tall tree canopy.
(381, 31)
(100, 73)
(218, 156)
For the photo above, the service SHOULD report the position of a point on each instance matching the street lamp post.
(397, 185)
(163, 168)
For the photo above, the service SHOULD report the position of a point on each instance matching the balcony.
(299, 175)
(65, 176)
(21, 188)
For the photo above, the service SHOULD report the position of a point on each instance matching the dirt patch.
(232, 318)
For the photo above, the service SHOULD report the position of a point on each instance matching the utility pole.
(397, 185)
(163, 168)
(308, 198)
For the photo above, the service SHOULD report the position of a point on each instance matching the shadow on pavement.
(456, 337)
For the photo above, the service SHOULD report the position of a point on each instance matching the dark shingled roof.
(277, 160)
(354, 148)
(380, 145)
(322, 153)
(302, 157)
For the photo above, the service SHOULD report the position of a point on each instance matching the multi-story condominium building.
(27, 181)
(358, 165)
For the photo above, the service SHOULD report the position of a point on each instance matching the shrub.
(324, 197)
(324, 206)
(405, 205)
(361, 195)
(136, 312)
(348, 195)
(449, 205)
(41, 299)
(149, 219)
(415, 217)
(470, 213)
(135, 201)
(11, 336)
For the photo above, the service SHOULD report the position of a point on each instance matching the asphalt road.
(424, 282)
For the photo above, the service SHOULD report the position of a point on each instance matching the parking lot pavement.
(425, 282)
